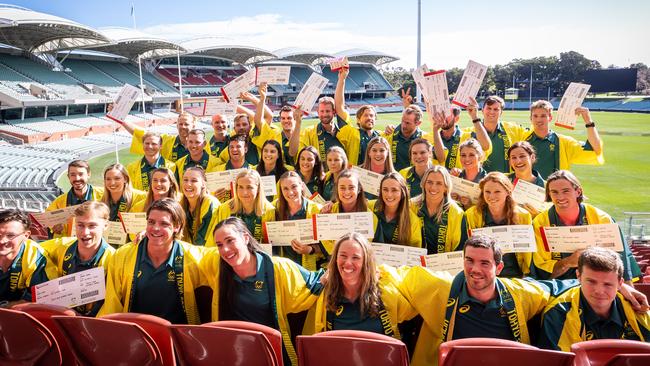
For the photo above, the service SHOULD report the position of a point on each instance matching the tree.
(642, 77)
(399, 77)
(572, 66)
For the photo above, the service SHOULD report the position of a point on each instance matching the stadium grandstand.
(57, 78)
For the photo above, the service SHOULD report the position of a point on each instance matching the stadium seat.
(643, 287)
(43, 313)
(273, 335)
(629, 360)
(209, 345)
(600, 352)
(448, 347)
(34, 344)
(349, 347)
(157, 328)
(497, 356)
(105, 342)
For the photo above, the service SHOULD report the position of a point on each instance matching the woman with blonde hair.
(378, 159)
(444, 226)
(496, 207)
(119, 195)
(293, 205)
(471, 157)
(395, 223)
(163, 185)
(249, 204)
(199, 206)
(337, 161)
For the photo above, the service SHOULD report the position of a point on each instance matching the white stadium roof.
(131, 43)
(227, 49)
(38, 32)
(303, 56)
(366, 56)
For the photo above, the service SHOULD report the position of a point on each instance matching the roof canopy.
(226, 49)
(131, 43)
(39, 33)
(303, 56)
(366, 56)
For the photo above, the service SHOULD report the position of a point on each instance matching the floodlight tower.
(418, 97)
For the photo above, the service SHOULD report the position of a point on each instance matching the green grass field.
(620, 185)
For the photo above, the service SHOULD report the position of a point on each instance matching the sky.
(611, 32)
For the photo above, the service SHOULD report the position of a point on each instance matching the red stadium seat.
(26, 341)
(210, 345)
(497, 356)
(157, 328)
(643, 287)
(273, 335)
(350, 347)
(601, 351)
(629, 360)
(105, 342)
(43, 313)
(447, 347)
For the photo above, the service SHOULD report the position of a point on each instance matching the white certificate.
(134, 222)
(470, 83)
(273, 75)
(310, 92)
(451, 262)
(420, 81)
(465, 188)
(115, 234)
(269, 186)
(568, 239)
(214, 106)
(282, 232)
(240, 84)
(72, 290)
(222, 179)
(532, 194)
(573, 97)
(511, 238)
(438, 101)
(370, 181)
(52, 218)
(334, 226)
(123, 103)
(397, 255)
(316, 197)
(339, 63)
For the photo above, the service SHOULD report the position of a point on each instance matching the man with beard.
(322, 136)
(354, 139)
(139, 170)
(447, 136)
(197, 156)
(80, 192)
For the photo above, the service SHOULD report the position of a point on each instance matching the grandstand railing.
(637, 226)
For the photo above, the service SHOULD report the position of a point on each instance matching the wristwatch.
(590, 124)
(476, 120)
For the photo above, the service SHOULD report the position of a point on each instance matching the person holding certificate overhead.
(559, 152)
(359, 294)
(496, 207)
(173, 147)
(140, 170)
(158, 275)
(199, 206)
(248, 204)
(80, 192)
(565, 191)
(421, 160)
(378, 159)
(395, 222)
(85, 251)
(337, 161)
(197, 156)
(272, 162)
(293, 205)
(249, 285)
(443, 222)
(322, 136)
(310, 169)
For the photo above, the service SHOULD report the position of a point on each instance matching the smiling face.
(151, 146)
(247, 189)
(184, 125)
(367, 120)
(12, 235)
(78, 177)
(232, 246)
(469, 158)
(292, 189)
(480, 269)
(195, 144)
(114, 182)
(347, 190)
(89, 229)
(307, 162)
(242, 126)
(219, 125)
(160, 185)
(434, 187)
(325, 113)
(287, 121)
(349, 261)
(599, 288)
(270, 154)
(237, 150)
(492, 112)
(520, 161)
(495, 196)
(564, 195)
(378, 153)
(391, 193)
(420, 155)
(193, 184)
(160, 228)
(540, 119)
